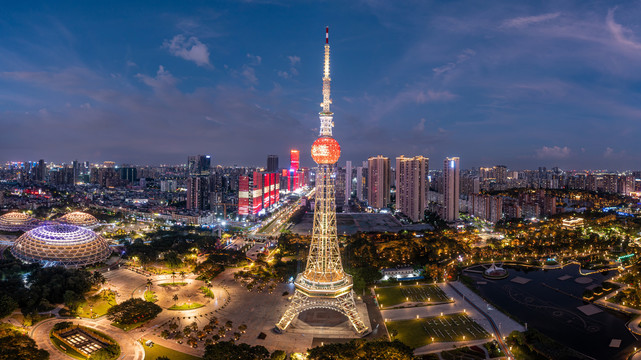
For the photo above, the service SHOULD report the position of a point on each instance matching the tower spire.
(326, 115)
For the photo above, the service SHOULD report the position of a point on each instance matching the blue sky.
(523, 84)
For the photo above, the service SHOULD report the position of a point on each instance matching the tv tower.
(324, 283)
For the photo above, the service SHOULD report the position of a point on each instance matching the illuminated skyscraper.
(451, 188)
(378, 182)
(411, 186)
(324, 283)
(294, 165)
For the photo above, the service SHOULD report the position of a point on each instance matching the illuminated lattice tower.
(324, 283)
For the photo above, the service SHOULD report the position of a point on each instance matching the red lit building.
(257, 191)
(293, 182)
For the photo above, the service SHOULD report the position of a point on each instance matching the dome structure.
(61, 244)
(79, 218)
(17, 221)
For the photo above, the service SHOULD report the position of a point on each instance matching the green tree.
(278, 355)
(226, 350)
(107, 353)
(362, 350)
(133, 311)
(14, 345)
(7, 305)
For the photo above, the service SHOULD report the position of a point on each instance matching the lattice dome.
(61, 244)
(79, 218)
(16, 221)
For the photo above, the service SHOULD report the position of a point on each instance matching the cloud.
(189, 49)
(255, 59)
(528, 20)
(461, 58)
(609, 153)
(249, 73)
(420, 126)
(162, 80)
(554, 152)
(619, 32)
(294, 61)
(432, 95)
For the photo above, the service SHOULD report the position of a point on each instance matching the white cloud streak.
(190, 49)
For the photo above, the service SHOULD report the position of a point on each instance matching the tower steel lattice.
(324, 283)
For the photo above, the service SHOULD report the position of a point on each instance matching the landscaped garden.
(155, 351)
(395, 295)
(97, 305)
(132, 313)
(420, 332)
(186, 306)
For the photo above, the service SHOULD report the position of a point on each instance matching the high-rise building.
(197, 193)
(294, 164)
(411, 186)
(324, 283)
(129, 174)
(348, 181)
(272, 163)
(257, 191)
(361, 183)
(451, 188)
(198, 165)
(378, 182)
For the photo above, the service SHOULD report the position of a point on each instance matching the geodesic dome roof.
(79, 218)
(17, 221)
(61, 244)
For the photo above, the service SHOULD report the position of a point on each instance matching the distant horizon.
(340, 164)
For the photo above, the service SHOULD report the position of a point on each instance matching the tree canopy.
(133, 311)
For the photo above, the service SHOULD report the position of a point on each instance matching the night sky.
(553, 83)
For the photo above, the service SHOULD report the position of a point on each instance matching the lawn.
(152, 353)
(420, 332)
(207, 292)
(99, 303)
(186, 306)
(174, 284)
(128, 327)
(395, 295)
(151, 296)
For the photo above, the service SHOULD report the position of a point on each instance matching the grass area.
(99, 304)
(420, 332)
(394, 295)
(152, 353)
(207, 291)
(66, 349)
(127, 327)
(173, 284)
(186, 306)
(151, 296)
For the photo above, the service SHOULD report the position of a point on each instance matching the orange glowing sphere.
(326, 150)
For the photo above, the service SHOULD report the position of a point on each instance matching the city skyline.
(513, 84)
